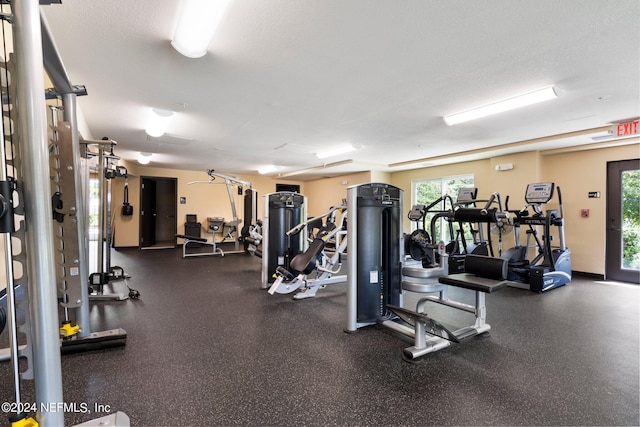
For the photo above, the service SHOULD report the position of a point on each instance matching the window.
(94, 208)
(428, 191)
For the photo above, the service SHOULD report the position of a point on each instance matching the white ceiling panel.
(380, 74)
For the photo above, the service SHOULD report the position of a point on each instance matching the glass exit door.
(623, 221)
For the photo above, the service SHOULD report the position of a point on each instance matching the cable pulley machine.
(249, 234)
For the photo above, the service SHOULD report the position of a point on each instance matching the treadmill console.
(539, 193)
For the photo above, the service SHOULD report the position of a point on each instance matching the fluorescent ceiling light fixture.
(316, 168)
(267, 169)
(198, 21)
(158, 122)
(528, 98)
(336, 151)
(144, 158)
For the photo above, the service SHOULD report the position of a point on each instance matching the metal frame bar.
(325, 273)
(33, 130)
(215, 250)
(424, 343)
(12, 325)
(70, 116)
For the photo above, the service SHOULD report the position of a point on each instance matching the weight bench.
(198, 240)
(483, 275)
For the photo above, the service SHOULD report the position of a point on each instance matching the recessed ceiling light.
(158, 122)
(144, 158)
(336, 151)
(263, 170)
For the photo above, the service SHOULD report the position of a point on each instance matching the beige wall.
(322, 194)
(526, 168)
(212, 200)
(513, 183)
(578, 173)
(382, 177)
(203, 199)
(405, 179)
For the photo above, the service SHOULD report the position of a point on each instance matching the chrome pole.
(32, 129)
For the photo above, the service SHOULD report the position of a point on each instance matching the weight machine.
(230, 230)
(374, 285)
(30, 258)
(68, 172)
(283, 211)
(108, 170)
(417, 244)
(423, 277)
(317, 259)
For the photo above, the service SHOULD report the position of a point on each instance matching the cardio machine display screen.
(466, 195)
(540, 192)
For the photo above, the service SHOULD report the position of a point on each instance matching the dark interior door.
(166, 189)
(148, 212)
(623, 221)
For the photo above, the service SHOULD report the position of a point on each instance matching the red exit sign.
(630, 128)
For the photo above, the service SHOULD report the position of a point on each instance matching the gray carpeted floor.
(207, 347)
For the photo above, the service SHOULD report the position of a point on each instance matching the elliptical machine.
(551, 267)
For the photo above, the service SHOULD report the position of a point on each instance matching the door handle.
(612, 223)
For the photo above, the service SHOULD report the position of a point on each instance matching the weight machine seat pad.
(306, 262)
(473, 282)
(191, 238)
(486, 266)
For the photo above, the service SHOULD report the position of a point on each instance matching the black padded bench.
(201, 241)
(481, 273)
(473, 282)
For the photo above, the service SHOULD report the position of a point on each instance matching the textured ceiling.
(284, 78)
